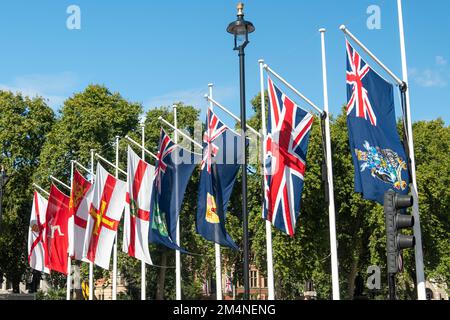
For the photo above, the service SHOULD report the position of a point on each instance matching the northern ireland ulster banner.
(57, 231)
(36, 234)
(80, 201)
(173, 170)
(137, 208)
(286, 145)
(105, 211)
(379, 158)
(222, 157)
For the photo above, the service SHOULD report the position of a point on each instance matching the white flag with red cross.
(36, 234)
(137, 208)
(105, 211)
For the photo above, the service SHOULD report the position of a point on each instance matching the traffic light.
(396, 220)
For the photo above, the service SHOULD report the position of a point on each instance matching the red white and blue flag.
(214, 129)
(286, 146)
(222, 156)
(173, 170)
(378, 155)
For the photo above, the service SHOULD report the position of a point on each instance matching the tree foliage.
(24, 124)
(34, 145)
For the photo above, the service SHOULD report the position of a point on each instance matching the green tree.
(24, 124)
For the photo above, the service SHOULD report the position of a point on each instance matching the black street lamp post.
(240, 29)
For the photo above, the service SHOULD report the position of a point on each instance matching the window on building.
(253, 279)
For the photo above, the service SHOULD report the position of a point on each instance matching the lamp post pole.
(244, 174)
(240, 29)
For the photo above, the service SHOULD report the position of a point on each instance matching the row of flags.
(84, 225)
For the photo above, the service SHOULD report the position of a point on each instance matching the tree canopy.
(34, 143)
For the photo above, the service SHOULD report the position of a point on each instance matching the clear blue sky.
(159, 52)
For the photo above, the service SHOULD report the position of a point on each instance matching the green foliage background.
(34, 142)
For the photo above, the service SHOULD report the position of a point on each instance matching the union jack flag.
(285, 146)
(166, 146)
(357, 69)
(213, 131)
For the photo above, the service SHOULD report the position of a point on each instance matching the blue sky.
(159, 52)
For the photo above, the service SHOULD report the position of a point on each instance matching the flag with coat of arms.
(173, 170)
(222, 156)
(379, 158)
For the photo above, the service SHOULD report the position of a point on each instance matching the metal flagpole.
(91, 264)
(421, 294)
(177, 252)
(60, 182)
(302, 96)
(114, 280)
(40, 189)
(140, 146)
(270, 279)
(103, 159)
(362, 46)
(69, 260)
(216, 245)
(331, 208)
(180, 132)
(143, 280)
(235, 117)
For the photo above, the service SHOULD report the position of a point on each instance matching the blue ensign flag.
(174, 167)
(378, 155)
(222, 157)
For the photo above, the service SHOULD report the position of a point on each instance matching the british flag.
(357, 69)
(285, 146)
(213, 131)
(166, 147)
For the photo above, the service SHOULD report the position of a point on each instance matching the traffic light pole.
(391, 282)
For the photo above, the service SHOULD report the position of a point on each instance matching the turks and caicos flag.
(173, 171)
(222, 156)
(105, 211)
(36, 234)
(137, 208)
(57, 231)
(379, 158)
(286, 146)
(80, 201)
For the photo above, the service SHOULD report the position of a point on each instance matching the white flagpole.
(143, 280)
(331, 208)
(91, 264)
(235, 117)
(177, 252)
(421, 294)
(69, 260)
(114, 280)
(270, 279)
(40, 189)
(216, 245)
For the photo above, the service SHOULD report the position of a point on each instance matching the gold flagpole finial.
(240, 8)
